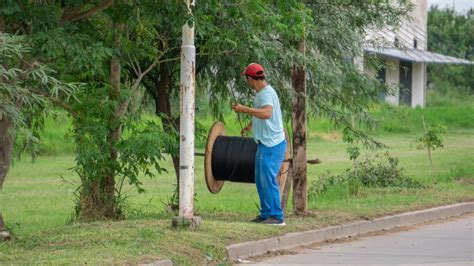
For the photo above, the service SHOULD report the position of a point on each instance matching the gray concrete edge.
(293, 240)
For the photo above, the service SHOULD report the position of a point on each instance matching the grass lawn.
(37, 205)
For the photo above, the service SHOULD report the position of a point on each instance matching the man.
(268, 132)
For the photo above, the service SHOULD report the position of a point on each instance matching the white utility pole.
(186, 133)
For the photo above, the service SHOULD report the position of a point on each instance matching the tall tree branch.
(2, 24)
(73, 15)
(142, 74)
(54, 100)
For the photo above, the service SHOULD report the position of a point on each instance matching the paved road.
(447, 243)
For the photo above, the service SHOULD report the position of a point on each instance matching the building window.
(396, 42)
(415, 43)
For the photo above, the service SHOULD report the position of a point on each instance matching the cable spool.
(232, 159)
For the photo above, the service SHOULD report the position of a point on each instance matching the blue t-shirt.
(269, 132)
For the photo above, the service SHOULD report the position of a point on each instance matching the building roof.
(418, 56)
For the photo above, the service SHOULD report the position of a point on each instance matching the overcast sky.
(461, 6)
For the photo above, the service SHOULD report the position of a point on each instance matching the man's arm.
(263, 113)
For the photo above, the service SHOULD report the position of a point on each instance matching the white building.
(406, 59)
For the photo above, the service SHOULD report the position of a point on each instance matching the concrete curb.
(293, 240)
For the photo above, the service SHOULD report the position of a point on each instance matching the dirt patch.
(270, 254)
(465, 181)
(330, 136)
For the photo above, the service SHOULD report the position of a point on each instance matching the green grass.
(37, 200)
(37, 206)
(452, 110)
(409, 120)
(449, 98)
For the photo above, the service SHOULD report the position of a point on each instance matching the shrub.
(378, 170)
(381, 171)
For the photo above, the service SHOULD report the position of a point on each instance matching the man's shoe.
(274, 221)
(257, 219)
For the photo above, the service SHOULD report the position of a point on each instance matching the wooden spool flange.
(285, 166)
(214, 185)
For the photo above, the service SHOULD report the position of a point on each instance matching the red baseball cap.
(254, 70)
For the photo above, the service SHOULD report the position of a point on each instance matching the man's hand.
(238, 108)
(246, 129)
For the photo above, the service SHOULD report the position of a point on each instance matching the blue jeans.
(267, 166)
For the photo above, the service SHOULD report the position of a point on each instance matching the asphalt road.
(449, 242)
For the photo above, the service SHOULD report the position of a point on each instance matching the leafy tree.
(450, 33)
(26, 89)
(105, 158)
(93, 42)
(431, 140)
(331, 34)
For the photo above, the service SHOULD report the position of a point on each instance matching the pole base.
(180, 222)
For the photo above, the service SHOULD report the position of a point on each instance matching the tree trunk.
(163, 81)
(6, 134)
(2, 224)
(163, 108)
(7, 140)
(2, 24)
(4, 234)
(433, 171)
(299, 138)
(108, 182)
(98, 200)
